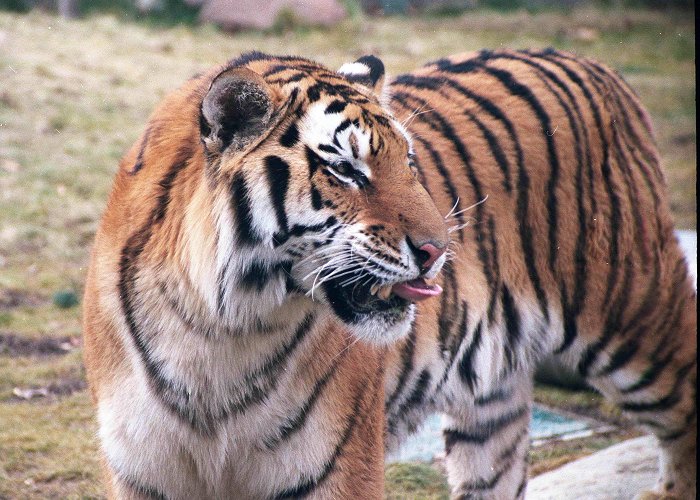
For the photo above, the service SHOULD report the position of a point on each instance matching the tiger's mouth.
(354, 302)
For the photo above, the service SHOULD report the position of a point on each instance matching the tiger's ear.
(235, 111)
(367, 71)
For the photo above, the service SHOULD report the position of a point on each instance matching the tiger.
(296, 266)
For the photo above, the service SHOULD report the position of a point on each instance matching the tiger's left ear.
(236, 111)
(367, 71)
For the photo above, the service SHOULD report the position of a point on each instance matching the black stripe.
(342, 126)
(446, 182)
(466, 364)
(665, 328)
(181, 160)
(455, 341)
(295, 423)
(650, 375)
(490, 108)
(507, 453)
(193, 323)
(240, 201)
(174, 397)
(258, 274)
(615, 108)
(147, 491)
(570, 309)
(336, 106)
(291, 136)
(609, 79)
(314, 160)
(496, 149)
(511, 319)
(641, 237)
(441, 125)
(497, 396)
(484, 431)
(605, 168)
(221, 283)
(300, 229)
(651, 187)
(665, 402)
(613, 323)
(328, 148)
(294, 63)
(407, 351)
(262, 380)
(335, 88)
(491, 312)
(481, 484)
(309, 485)
(291, 78)
(523, 91)
(523, 483)
(417, 394)
(316, 198)
(278, 179)
(138, 165)
(623, 355)
(252, 56)
(448, 305)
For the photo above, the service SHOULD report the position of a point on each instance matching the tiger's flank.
(297, 265)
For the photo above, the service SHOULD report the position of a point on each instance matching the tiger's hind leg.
(652, 376)
(486, 442)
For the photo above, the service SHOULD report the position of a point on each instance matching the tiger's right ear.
(236, 111)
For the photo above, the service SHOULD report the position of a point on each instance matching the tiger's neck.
(242, 288)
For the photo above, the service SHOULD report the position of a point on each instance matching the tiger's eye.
(344, 168)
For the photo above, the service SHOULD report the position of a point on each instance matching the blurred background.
(79, 78)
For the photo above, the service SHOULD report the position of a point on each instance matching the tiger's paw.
(666, 491)
(654, 495)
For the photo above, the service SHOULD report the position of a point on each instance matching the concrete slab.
(618, 472)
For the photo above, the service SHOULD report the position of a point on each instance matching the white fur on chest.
(144, 439)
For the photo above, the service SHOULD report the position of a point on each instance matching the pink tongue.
(416, 290)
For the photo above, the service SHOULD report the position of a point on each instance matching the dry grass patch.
(76, 94)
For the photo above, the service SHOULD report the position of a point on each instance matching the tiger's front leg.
(486, 442)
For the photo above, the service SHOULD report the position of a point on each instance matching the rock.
(618, 472)
(233, 14)
(583, 34)
(65, 299)
(31, 393)
(149, 5)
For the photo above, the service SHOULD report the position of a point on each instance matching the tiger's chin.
(382, 329)
(368, 317)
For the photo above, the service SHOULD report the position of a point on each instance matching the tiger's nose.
(426, 254)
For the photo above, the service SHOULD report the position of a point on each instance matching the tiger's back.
(564, 244)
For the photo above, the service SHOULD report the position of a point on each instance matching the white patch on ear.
(385, 95)
(354, 68)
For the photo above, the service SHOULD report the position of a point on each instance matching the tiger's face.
(325, 188)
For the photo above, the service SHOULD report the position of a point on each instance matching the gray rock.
(618, 472)
(233, 14)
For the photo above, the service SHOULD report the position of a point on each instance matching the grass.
(76, 94)
(414, 480)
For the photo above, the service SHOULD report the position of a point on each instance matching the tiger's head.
(325, 193)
